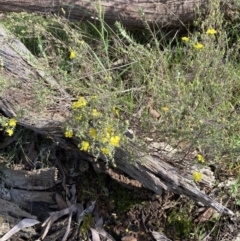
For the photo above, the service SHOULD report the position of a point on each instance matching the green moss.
(179, 224)
(117, 197)
(123, 199)
(88, 222)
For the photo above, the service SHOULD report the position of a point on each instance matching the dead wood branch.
(131, 14)
(41, 179)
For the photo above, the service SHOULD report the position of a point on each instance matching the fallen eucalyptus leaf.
(55, 216)
(160, 236)
(95, 235)
(68, 227)
(99, 223)
(86, 211)
(60, 201)
(26, 222)
(105, 234)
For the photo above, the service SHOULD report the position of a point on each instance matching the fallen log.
(40, 179)
(163, 13)
(23, 73)
(25, 188)
(132, 14)
(22, 199)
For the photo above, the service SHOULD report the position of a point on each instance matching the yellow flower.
(198, 46)
(185, 39)
(165, 108)
(211, 31)
(95, 113)
(75, 105)
(80, 103)
(93, 97)
(106, 138)
(85, 146)
(68, 133)
(197, 176)
(79, 117)
(93, 133)
(9, 132)
(116, 111)
(12, 122)
(72, 55)
(109, 130)
(105, 151)
(114, 141)
(200, 158)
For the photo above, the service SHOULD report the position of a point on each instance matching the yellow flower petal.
(114, 141)
(68, 133)
(108, 78)
(211, 31)
(12, 122)
(72, 55)
(80, 103)
(93, 133)
(165, 108)
(95, 113)
(105, 151)
(198, 46)
(197, 176)
(185, 39)
(109, 130)
(200, 158)
(116, 111)
(85, 146)
(79, 117)
(9, 132)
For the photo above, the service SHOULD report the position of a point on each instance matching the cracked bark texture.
(131, 13)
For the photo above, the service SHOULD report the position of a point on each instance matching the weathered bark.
(163, 13)
(26, 186)
(16, 60)
(153, 172)
(22, 198)
(36, 180)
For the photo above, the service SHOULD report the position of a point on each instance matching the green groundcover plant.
(191, 81)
